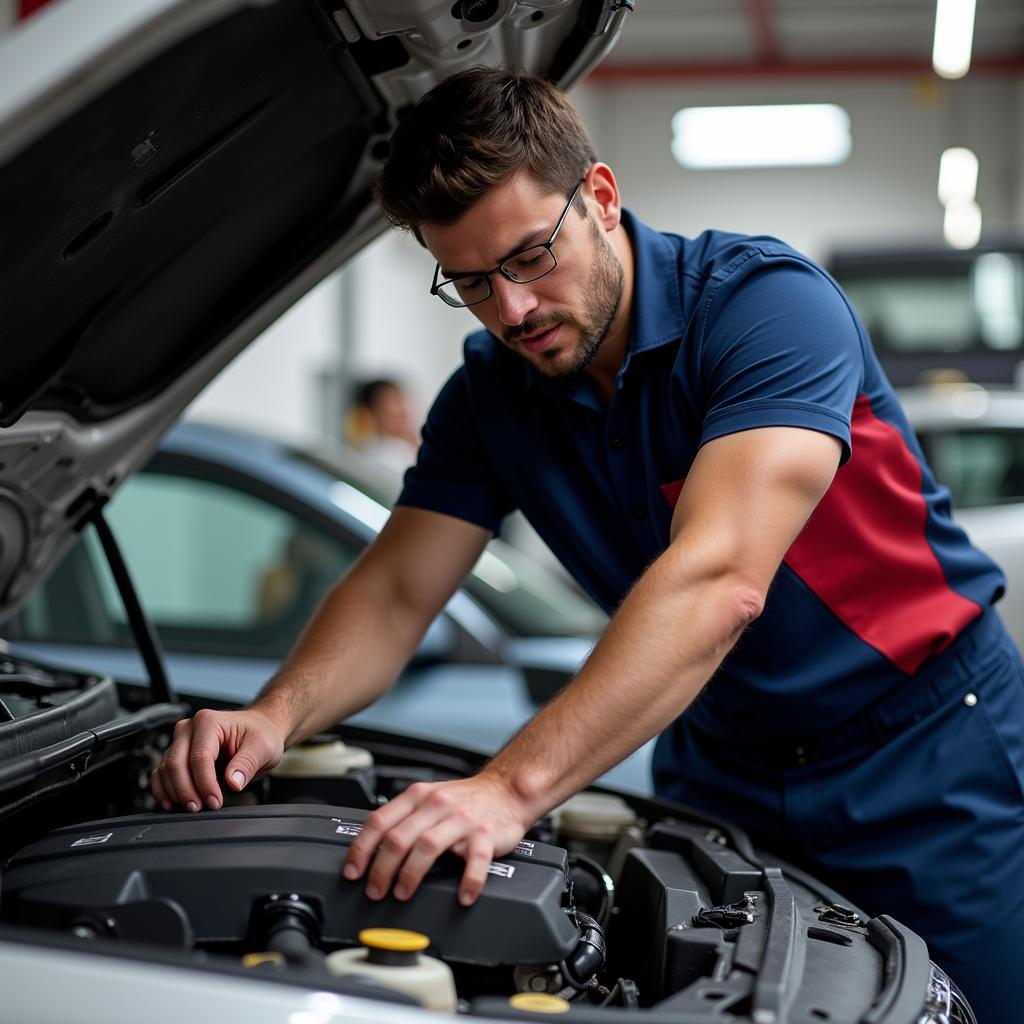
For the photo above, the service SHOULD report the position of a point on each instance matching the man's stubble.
(603, 293)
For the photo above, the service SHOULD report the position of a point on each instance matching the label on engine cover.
(349, 828)
(501, 869)
(93, 840)
(525, 849)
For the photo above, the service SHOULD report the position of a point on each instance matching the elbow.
(744, 604)
(734, 596)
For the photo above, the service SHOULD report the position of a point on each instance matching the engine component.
(324, 770)
(210, 866)
(395, 959)
(538, 1002)
(593, 820)
(322, 756)
(284, 923)
(592, 888)
(581, 968)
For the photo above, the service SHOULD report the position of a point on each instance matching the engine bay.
(612, 904)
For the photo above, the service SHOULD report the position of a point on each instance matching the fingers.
(401, 841)
(428, 847)
(207, 739)
(379, 827)
(478, 862)
(187, 776)
(172, 780)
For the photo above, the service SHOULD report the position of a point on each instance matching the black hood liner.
(138, 233)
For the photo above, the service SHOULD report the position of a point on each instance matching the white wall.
(400, 329)
(884, 194)
(273, 387)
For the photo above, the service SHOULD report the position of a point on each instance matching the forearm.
(660, 649)
(351, 652)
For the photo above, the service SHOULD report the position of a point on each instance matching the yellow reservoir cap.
(256, 959)
(395, 940)
(538, 1002)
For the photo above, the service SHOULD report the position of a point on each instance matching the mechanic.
(701, 432)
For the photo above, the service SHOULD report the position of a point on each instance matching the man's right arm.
(351, 652)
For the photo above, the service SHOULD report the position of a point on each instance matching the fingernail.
(192, 806)
(212, 802)
(401, 892)
(466, 899)
(351, 872)
(373, 892)
(238, 779)
(165, 805)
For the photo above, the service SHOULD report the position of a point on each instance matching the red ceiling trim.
(895, 67)
(762, 22)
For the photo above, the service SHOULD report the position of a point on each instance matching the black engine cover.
(208, 871)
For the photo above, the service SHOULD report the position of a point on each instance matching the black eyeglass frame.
(436, 286)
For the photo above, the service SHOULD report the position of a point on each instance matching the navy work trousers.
(915, 809)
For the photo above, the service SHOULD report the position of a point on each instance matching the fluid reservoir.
(319, 759)
(597, 818)
(395, 959)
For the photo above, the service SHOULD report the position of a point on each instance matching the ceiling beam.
(762, 25)
(611, 73)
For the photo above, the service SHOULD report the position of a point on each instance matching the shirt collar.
(655, 319)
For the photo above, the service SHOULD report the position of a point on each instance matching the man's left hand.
(477, 818)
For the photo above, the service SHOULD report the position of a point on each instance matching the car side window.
(980, 467)
(219, 571)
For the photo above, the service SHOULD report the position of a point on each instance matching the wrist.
(522, 788)
(279, 714)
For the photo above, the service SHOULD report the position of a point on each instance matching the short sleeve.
(453, 472)
(779, 346)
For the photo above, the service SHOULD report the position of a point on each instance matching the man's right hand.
(187, 775)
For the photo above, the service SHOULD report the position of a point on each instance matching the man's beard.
(603, 294)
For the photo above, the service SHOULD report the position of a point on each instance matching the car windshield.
(959, 305)
(525, 596)
(982, 466)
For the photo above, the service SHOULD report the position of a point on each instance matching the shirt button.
(638, 511)
(617, 441)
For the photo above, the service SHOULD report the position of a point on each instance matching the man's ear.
(601, 193)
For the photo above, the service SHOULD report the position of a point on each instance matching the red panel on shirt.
(672, 491)
(27, 7)
(865, 554)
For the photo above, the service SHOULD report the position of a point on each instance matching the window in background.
(219, 571)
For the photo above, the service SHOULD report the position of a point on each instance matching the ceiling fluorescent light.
(954, 35)
(796, 135)
(962, 225)
(958, 175)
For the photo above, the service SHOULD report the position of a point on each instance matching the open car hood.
(174, 174)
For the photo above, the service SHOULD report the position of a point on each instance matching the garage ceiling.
(740, 38)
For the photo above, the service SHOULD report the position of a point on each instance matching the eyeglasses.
(521, 268)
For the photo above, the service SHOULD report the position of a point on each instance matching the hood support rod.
(142, 628)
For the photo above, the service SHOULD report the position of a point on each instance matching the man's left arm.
(745, 500)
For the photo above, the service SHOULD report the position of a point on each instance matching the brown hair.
(472, 132)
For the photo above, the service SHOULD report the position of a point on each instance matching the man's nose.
(514, 301)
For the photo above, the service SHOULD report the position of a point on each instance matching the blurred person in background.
(380, 424)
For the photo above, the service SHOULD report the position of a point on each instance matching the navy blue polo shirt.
(727, 333)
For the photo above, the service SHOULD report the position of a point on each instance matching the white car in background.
(973, 438)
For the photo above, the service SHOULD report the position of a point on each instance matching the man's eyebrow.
(534, 237)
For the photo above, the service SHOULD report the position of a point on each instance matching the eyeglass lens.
(521, 268)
